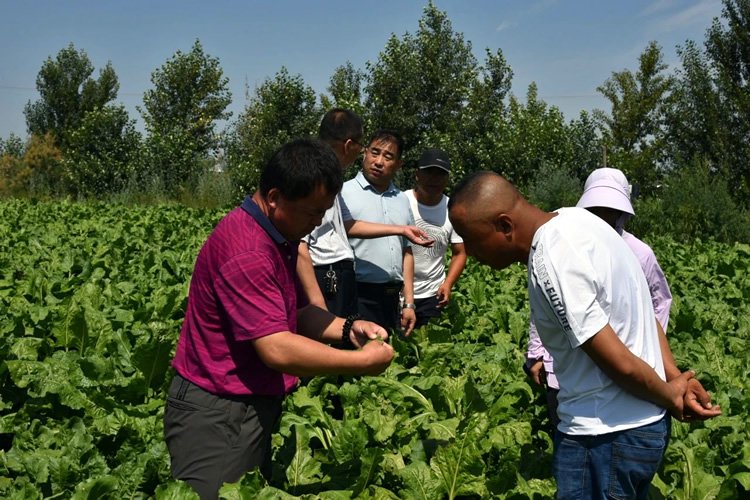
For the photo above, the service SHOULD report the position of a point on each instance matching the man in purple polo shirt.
(249, 332)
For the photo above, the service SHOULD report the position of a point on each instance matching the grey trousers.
(216, 439)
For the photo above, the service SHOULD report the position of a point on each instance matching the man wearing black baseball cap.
(432, 286)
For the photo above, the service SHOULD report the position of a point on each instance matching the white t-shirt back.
(328, 243)
(582, 275)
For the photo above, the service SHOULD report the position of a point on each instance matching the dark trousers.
(341, 300)
(379, 302)
(427, 309)
(214, 439)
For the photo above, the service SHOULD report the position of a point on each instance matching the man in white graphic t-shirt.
(432, 285)
(592, 308)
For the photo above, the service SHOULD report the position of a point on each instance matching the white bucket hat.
(607, 187)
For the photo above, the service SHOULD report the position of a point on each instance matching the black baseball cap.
(434, 158)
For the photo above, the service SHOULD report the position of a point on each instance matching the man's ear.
(272, 197)
(503, 224)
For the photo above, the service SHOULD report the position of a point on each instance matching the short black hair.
(340, 124)
(388, 135)
(299, 166)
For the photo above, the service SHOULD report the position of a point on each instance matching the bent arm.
(633, 374)
(368, 230)
(457, 264)
(298, 355)
(307, 278)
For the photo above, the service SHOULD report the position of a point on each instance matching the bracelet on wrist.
(345, 339)
(410, 306)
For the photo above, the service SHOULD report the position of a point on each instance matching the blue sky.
(567, 47)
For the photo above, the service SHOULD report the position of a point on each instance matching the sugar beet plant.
(91, 301)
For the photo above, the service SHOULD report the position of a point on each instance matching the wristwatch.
(410, 306)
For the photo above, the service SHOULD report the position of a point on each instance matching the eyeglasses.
(362, 147)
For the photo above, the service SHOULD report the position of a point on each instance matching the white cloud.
(657, 6)
(503, 25)
(534, 8)
(699, 13)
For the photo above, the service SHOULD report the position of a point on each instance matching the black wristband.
(345, 339)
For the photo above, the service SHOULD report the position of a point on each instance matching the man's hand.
(679, 389)
(535, 371)
(443, 295)
(697, 403)
(378, 356)
(417, 236)
(363, 331)
(408, 320)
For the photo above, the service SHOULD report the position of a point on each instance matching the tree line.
(681, 135)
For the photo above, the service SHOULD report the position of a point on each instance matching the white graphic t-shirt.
(429, 263)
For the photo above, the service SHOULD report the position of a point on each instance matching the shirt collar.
(253, 209)
(365, 184)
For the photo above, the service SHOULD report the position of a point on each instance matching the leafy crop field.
(91, 302)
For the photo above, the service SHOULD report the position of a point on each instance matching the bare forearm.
(306, 274)
(303, 357)
(408, 276)
(627, 370)
(670, 366)
(320, 325)
(455, 268)
(363, 229)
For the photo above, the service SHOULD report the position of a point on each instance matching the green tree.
(281, 108)
(104, 152)
(694, 117)
(486, 115)
(535, 137)
(67, 93)
(728, 48)
(585, 146)
(190, 94)
(345, 89)
(13, 146)
(634, 132)
(420, 83)
(37, 172)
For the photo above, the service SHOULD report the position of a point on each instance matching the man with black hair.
(326, 259)
(384, 266)
(249, 333)
(429, 205)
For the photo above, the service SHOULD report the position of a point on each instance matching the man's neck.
(426, 198)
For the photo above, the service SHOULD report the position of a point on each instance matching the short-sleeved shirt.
(328, 243)
(377, 260)
(582, 276)
(429, 262)
(661, 297)
(244, 287)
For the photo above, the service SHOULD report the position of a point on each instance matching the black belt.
(391, 288)
(342, 264)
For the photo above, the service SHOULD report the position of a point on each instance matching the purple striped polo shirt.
(244, 287)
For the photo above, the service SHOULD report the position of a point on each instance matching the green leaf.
(420, 482)
(96, 488)
(459, 465)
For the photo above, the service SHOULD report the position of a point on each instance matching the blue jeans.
(615, 465)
